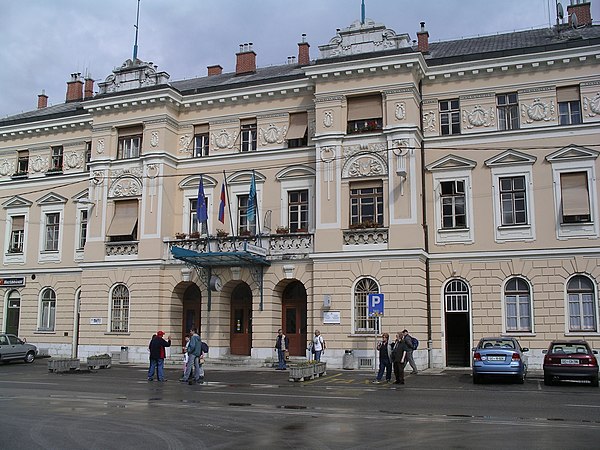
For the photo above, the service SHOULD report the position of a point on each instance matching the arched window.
(47, 310)
(517, 302)
(362, 322)
(456, 296)
(582, 304)
(119, 318)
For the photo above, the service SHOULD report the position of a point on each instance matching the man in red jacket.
(157, 355)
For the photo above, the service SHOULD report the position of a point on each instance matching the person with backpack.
(412, 344)
(194, 350)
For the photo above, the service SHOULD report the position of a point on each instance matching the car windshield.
(568, 349)
(497, 344)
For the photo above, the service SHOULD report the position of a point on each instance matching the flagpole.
(228, 205)
(256, 209)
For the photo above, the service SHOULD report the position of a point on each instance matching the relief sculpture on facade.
(100, 146)
(39, 164)
(154, 139)
(328, 118)
(126, 187)
(592, 104)
(479, 117)
(272, 134)
(429, 121)
(74, 160)
(184, 144)
(224, 139)
(538, 111)
(400, 112)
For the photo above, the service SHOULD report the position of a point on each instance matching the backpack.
(415, 342)
(204, 347)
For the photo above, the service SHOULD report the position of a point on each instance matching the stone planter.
(94, 362)
(308, 372)
(63, 364)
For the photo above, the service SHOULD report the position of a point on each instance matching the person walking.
(398, 358)
(193, 350)
(185, 354)
(157, 355)
(409, 352)
(384, 347)
(282, 345)
(318, 347)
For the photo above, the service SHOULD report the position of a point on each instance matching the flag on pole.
(252, 201)
(201, 212)
(222, 204)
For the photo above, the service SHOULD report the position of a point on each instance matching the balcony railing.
(365, 236)
(121, 248)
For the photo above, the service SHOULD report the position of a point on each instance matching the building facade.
(456, 179)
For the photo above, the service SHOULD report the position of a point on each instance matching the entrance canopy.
(249, 256)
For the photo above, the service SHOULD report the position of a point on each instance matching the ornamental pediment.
(451, 162)
(16, 202)
(510, 158)
(51, 199)
(572, 152)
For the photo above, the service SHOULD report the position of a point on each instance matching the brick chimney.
(88, 88)
(303, 51)
(42, 100)
(75, 88)
(423, 39)
(583, 13)
(246, 60)
(214, 70)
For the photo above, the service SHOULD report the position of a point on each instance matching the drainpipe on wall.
(425, 230)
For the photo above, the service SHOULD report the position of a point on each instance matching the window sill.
(117, 333)
(518, 333)
(582, 333)
(452, 230)
(44, 332)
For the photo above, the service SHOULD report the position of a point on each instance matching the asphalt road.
(117, 408)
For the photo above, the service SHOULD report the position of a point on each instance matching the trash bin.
(124, 355)
(348, 362)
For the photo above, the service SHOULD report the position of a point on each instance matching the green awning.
(219, 259)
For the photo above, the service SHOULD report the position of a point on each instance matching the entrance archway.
(456, 302)
(241, 320)
(13, 313)
(293, 306)
(191, 310)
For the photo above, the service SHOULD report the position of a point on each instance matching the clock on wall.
(215, 283)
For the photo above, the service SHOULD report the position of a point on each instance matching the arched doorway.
(191, 310)
(293, 305)
(241, 320)
(13, 313)
(456, 303)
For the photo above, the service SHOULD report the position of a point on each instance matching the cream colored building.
(458, 179)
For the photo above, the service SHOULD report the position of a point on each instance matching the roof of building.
(471, 49)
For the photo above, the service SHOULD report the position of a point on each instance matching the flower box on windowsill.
(180, 235)
(282, 230)
(222, 233)
(195, 235)
(54, 171)
(365, 224)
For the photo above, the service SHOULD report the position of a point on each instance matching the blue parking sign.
(375, 305)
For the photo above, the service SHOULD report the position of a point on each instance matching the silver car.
(13, 348)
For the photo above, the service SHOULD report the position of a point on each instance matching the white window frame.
(366, 331)
(129, 146)
(204, 149)
(444, 236)
(505, 329)
(576, 230)
(15, 258)
(188, 212)
(111, 308)
(567, 322)
(78, 226)
(524, 232)
(52, 326)
(51, 255)
(296, 185)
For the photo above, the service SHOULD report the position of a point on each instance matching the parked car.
(499, 356)
(571, 360)
(13, 348)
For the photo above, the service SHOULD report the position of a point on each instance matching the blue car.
(499, 356)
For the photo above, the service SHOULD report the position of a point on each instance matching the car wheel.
(595, 381)
(29, 357)
(547, 379)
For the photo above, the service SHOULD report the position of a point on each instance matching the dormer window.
(365, 114)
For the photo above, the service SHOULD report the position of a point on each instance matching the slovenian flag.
(222, 204)
(201, 211)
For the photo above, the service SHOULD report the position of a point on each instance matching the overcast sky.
(43, 41)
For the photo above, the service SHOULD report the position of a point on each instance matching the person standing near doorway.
(282, 345)
(157, 355)
(318, 347)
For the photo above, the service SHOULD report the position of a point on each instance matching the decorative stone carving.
(133, 75)
(364, 165)
(39, 164)
(154, 139)
(328, 156)
(152, 171)
(328, 118)
(7, 167)
(400, 111)
(272, 134)
(100, 146)
(429, 121)
(538, 111)
(592, 105)
(224, 139)
(126, 187)
(184, 144)
(98, 178)
(74, 160)
(479, 117)
(134, 171)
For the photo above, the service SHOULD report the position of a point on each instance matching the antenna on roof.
(362, 12)
(137, 21)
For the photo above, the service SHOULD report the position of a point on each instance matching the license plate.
(569, 361)
(495, 358)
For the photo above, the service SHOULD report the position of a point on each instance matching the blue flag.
(252, 201)
(201, 212)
